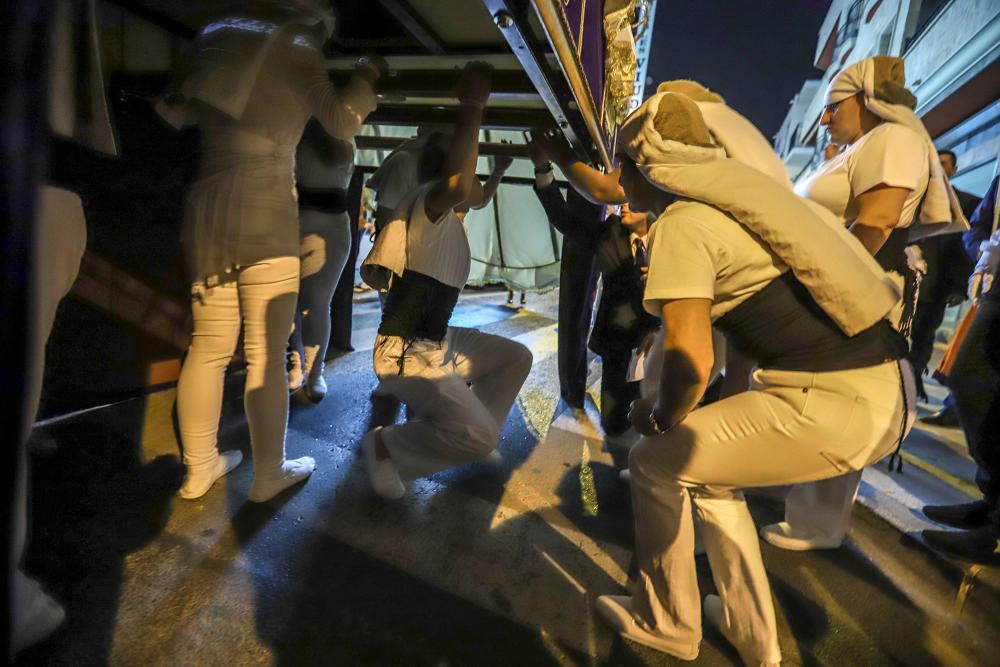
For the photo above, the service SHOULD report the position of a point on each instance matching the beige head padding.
(689, 88)
(678, 119)
(890, 81)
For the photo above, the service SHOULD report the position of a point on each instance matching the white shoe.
(783, 536)
(292, 472)
(494, 458)
(715, 614)
(616, 610)
(316, 389)
(197, 484)
(382, 475)
(36, 614)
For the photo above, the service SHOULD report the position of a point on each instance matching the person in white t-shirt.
(874, 185)
(458, 384)
(711, 266)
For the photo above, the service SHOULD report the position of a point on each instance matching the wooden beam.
(402, 12)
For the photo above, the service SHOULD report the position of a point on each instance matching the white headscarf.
(225, 59)
(882, 80)
(841, 275)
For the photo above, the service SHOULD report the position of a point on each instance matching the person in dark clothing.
(621, 324)
(944, 284)
(975, 384)
(578, 220)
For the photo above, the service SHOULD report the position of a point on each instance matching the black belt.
(327, 200)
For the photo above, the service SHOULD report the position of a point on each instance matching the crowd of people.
(793, 304)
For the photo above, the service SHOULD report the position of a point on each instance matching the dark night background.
(755, 53)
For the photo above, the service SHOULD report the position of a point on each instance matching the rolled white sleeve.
(683, 263)
(893, 155)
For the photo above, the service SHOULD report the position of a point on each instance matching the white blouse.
(890, 154)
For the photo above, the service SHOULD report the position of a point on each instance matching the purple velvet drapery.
(591, 47)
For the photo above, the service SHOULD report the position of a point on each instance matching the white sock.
(292, 472)
(200, 480)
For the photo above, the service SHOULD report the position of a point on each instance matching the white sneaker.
(197, 484)
(494, 458)
(382, 475)
(783, 536)
(292, 472)
(316, 389)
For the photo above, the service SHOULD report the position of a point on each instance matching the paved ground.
(477, 566)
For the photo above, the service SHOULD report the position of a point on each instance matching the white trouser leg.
(821, 511)
(791, 428)
(61, 239)
(264, 295)
(325, 242)
(453, 424)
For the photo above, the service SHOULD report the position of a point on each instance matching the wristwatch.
(547, 169)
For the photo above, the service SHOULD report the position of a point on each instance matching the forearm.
(593, 185)
(871, 236)
(488, 190)
(681, 387)
(460, 162)
(341, 113)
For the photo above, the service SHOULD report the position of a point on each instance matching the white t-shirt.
(890, 154)
(396, 178)
(699, 252)
(438, 248)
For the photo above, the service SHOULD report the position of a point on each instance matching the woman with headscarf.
(323, 170)
(886, 172)
(252, 83)
(793, 292)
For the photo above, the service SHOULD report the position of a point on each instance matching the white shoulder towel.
(839, 273)
(940, 206)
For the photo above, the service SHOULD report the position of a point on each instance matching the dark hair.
(952, 154)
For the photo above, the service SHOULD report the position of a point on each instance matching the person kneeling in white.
(806, 303)
(459, 384)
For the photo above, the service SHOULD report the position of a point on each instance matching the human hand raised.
(473, 87)
(536, 149)
(502, 162)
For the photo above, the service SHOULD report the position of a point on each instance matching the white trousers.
(458, 391)
(325, 243)
(60, 241)
(790, 427)
(262, 296)
(822, 510)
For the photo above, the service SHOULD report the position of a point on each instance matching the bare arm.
(340, 112)
(593, 185)
(687, 363)
(488, 190)
(459, 172)
(879, 210)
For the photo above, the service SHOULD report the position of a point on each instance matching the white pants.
(263, 295)
(822, 510)
(60, 241)
(325, 242)
(451, 423)
(791, 427)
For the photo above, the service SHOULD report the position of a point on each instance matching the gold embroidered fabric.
(619, 65)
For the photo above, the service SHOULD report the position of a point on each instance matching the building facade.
(951, 49)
